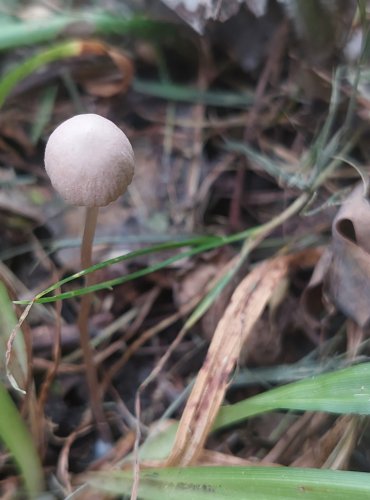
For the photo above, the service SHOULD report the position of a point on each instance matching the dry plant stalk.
(246, 306)
(334, 448)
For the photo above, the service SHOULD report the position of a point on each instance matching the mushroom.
(90, 162)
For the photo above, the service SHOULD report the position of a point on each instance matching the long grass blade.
(17, 439)
(237, 483)
(60, 51)
(181, 93)
(16, 33)
(342, 391)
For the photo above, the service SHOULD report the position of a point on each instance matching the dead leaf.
(313, 297)
(105, 85)
(318, 451)
(343, 274)
(216, 458)
(196, 13)
(291, 441)
(196, 280)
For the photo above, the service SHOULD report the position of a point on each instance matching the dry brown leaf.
(343, 274)
(9, 488)
(216, 458)
(293, 438)
(319, 451)
(355, 338)
(246, 306)
(313, 296)
(196, 280)
(104, 86)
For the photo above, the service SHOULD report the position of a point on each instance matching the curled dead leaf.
(107, 85)
(342, 276)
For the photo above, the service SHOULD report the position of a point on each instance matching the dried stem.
(83, 319)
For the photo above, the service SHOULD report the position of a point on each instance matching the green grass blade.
(209, 298)
(237, 483)
(63, 50)
(17, 33)
(273, 167)
(342, 391)
(60, 51)
(315, 153)
(200, 244)
(172, 92)
(284, 374)
(17, 439)
(43, 113)
(124, 279)
(53, 245)
(211, 242)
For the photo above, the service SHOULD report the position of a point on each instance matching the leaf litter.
(235, 137)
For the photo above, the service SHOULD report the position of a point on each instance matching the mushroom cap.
(89, 160)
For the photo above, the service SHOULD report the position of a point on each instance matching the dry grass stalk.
(246, 306)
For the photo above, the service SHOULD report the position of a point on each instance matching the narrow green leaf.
(342, 391)
(317, 159)
(14, 76)
(285, 373)
(18, 440)
(272, 166)
(17, 33)
(237, 483)
(181, 93)
(200, 245)
(43, 113)
(40, 298)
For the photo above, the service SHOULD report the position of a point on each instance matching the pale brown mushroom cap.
(89, 160)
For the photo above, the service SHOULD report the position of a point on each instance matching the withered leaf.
(342, 276)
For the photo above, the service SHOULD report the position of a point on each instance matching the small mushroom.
(89, 160)
(90, 163)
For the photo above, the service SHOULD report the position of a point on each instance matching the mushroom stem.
(91, 217)
(83, 319)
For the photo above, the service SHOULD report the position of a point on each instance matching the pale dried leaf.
(246, 306)
(215, 458)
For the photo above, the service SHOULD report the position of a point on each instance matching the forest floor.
(237, 261)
